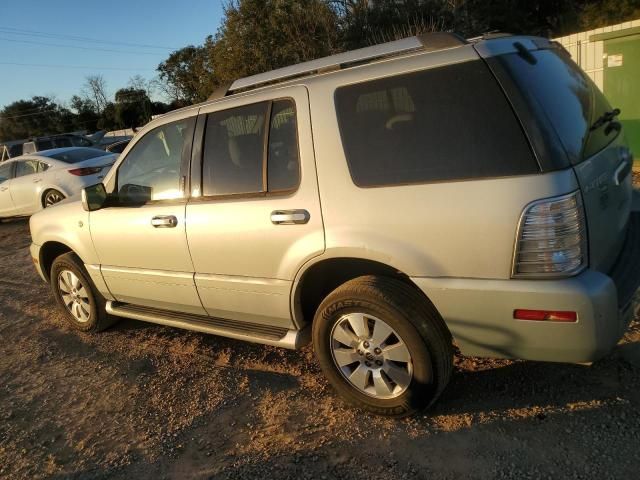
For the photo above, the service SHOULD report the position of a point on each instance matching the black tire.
(416, 321)
(51, 194)
(98, 318)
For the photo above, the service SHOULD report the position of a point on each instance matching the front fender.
(68, 224)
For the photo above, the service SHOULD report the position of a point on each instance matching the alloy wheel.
(371, 356)
(74, 295)
(52, 198)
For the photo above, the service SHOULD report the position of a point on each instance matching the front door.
(254, 217)
(6, 202)
(141, 240)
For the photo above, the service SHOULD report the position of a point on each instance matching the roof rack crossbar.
(426, 42)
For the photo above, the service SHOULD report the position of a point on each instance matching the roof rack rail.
(427, 42)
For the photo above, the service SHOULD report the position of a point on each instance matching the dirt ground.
(145, 401)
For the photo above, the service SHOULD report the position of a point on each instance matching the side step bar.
(249, 332)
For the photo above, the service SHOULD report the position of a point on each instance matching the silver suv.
(386, 203)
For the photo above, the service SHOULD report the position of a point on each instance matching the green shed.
(621, 80)
(611, 57)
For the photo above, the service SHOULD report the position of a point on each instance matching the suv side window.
(234, 150)
(5, 172)
(26, 167)
(445, 123)
(151, 170)
(283, 162)
(246, 154)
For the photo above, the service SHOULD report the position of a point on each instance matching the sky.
(37, 32)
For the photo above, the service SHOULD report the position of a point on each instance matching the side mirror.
(94, 197)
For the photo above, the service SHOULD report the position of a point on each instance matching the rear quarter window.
(445, 123)
(569, 99)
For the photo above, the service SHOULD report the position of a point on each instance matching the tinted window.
(44, 145)
(26, 167)
(568, 97)
(283, 163)
(42, 167)
(445, 123)
(234, 151)
(62, 142)
(5, 172)
(15, 150)
(151, 170)
(80, 142)
(77, 155)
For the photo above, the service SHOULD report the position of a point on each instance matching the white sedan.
(32, 182)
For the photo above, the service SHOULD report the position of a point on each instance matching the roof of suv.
(487, 45)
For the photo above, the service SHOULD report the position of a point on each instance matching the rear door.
(24, 187)
(6, 202)
(254, 217)
(562, 97)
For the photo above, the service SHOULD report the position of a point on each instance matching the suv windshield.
(570, 100)
(78, 155)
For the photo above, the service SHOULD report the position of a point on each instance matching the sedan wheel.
(74, 295)
(52, 197)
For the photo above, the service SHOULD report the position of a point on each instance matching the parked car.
(30, 183)
(62, 140)
(118, 147)
(10, 150)
(387, 202)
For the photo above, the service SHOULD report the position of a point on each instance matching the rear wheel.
(51, 198)
(76, 294)
(383, 346)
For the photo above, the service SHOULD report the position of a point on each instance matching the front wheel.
(76, 294)
(383, 346)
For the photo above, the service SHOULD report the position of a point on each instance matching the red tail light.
(81, 172)
(545, 315)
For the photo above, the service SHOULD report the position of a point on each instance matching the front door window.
(151, 170)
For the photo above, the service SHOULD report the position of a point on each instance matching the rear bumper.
(479, 312)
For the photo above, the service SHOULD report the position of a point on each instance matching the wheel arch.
(48, 188)
(320, 278)
(49, 252)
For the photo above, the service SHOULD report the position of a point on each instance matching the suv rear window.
(440, 124)
(568, 97)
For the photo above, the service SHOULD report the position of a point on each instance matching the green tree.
(132, 108)
(86, 117)
(261, 35)
(187, 76)
(596, 14)
(34, 117)
(108, 120)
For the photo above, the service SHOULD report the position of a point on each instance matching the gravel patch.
(146, 401)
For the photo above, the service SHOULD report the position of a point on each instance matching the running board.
(249, 332)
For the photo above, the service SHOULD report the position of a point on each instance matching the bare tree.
(138, 82)
(95, 90)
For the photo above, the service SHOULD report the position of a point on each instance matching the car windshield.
(78, 155)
